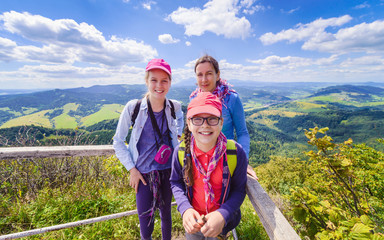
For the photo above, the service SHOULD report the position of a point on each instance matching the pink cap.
(158, 63)
(204, 102)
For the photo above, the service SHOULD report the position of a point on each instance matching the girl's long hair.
(188, 167)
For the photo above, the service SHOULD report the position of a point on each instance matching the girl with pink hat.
(156, 124)
(208, 188)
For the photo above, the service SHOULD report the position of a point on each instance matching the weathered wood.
(56, 151)
(274, 222)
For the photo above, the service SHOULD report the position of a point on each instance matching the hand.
(135, 178)
(251, 172)
(214, 225)
(192, 221)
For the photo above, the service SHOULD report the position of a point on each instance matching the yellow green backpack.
(231, 155)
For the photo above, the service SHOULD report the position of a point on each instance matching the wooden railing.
(274, 222)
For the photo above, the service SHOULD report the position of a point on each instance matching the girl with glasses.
(209, 80)
(207, 194)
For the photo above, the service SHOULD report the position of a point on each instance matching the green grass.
(38, 119)
(91, 187)
(108, 111)
(64, 120)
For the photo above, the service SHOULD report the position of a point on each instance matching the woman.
(157, 122)
(208, 80)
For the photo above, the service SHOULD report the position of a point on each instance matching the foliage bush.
(334, 193)
(36, 193)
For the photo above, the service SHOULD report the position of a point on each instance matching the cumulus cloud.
(65, 40)
(217, 16)
(301, 32)
(188, 43)
(296, 69)
(364, 37)
(69, 76)
(167, 39)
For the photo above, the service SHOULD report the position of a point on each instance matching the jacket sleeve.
(121, 149)
(179, 118)
(237, 186)
(238, 118)
(178, 186)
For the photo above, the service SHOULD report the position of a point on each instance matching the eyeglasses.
(211, 121)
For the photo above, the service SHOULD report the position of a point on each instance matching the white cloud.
(217, 16)
(290, 11)
(68, 76)
(313, 30)
(364, 37)
(148, 5)
(188, 43)
(6, 49)
(296, 69)
(167, 39)
(66, 41)
(363, 5)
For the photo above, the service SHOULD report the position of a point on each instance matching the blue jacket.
(234, 119)
(128, 155)
(233, 189)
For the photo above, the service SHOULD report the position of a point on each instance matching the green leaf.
(367, 221)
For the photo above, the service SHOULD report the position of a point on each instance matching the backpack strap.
(231, 155)
(135, 112)
(137, 108)
(181, 153)
(173, 114)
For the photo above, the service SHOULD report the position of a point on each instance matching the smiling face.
(206, 76)
(158, 83)
(205, 135)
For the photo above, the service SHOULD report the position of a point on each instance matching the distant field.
(38, 119)
(65, 121)
(265, 117)
(250, 105)
(108, 111)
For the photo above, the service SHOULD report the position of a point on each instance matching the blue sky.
(74, 43)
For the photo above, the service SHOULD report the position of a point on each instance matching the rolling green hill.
(278, 114)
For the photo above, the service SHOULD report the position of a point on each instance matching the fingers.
(142, 179)
(214, 224)
(190, 223)
(251, 172)
(135, 178)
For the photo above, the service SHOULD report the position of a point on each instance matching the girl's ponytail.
(188, 168)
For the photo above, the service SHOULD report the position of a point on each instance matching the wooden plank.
(56, 151)
(274, 222)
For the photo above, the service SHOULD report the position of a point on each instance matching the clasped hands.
(210, 225)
